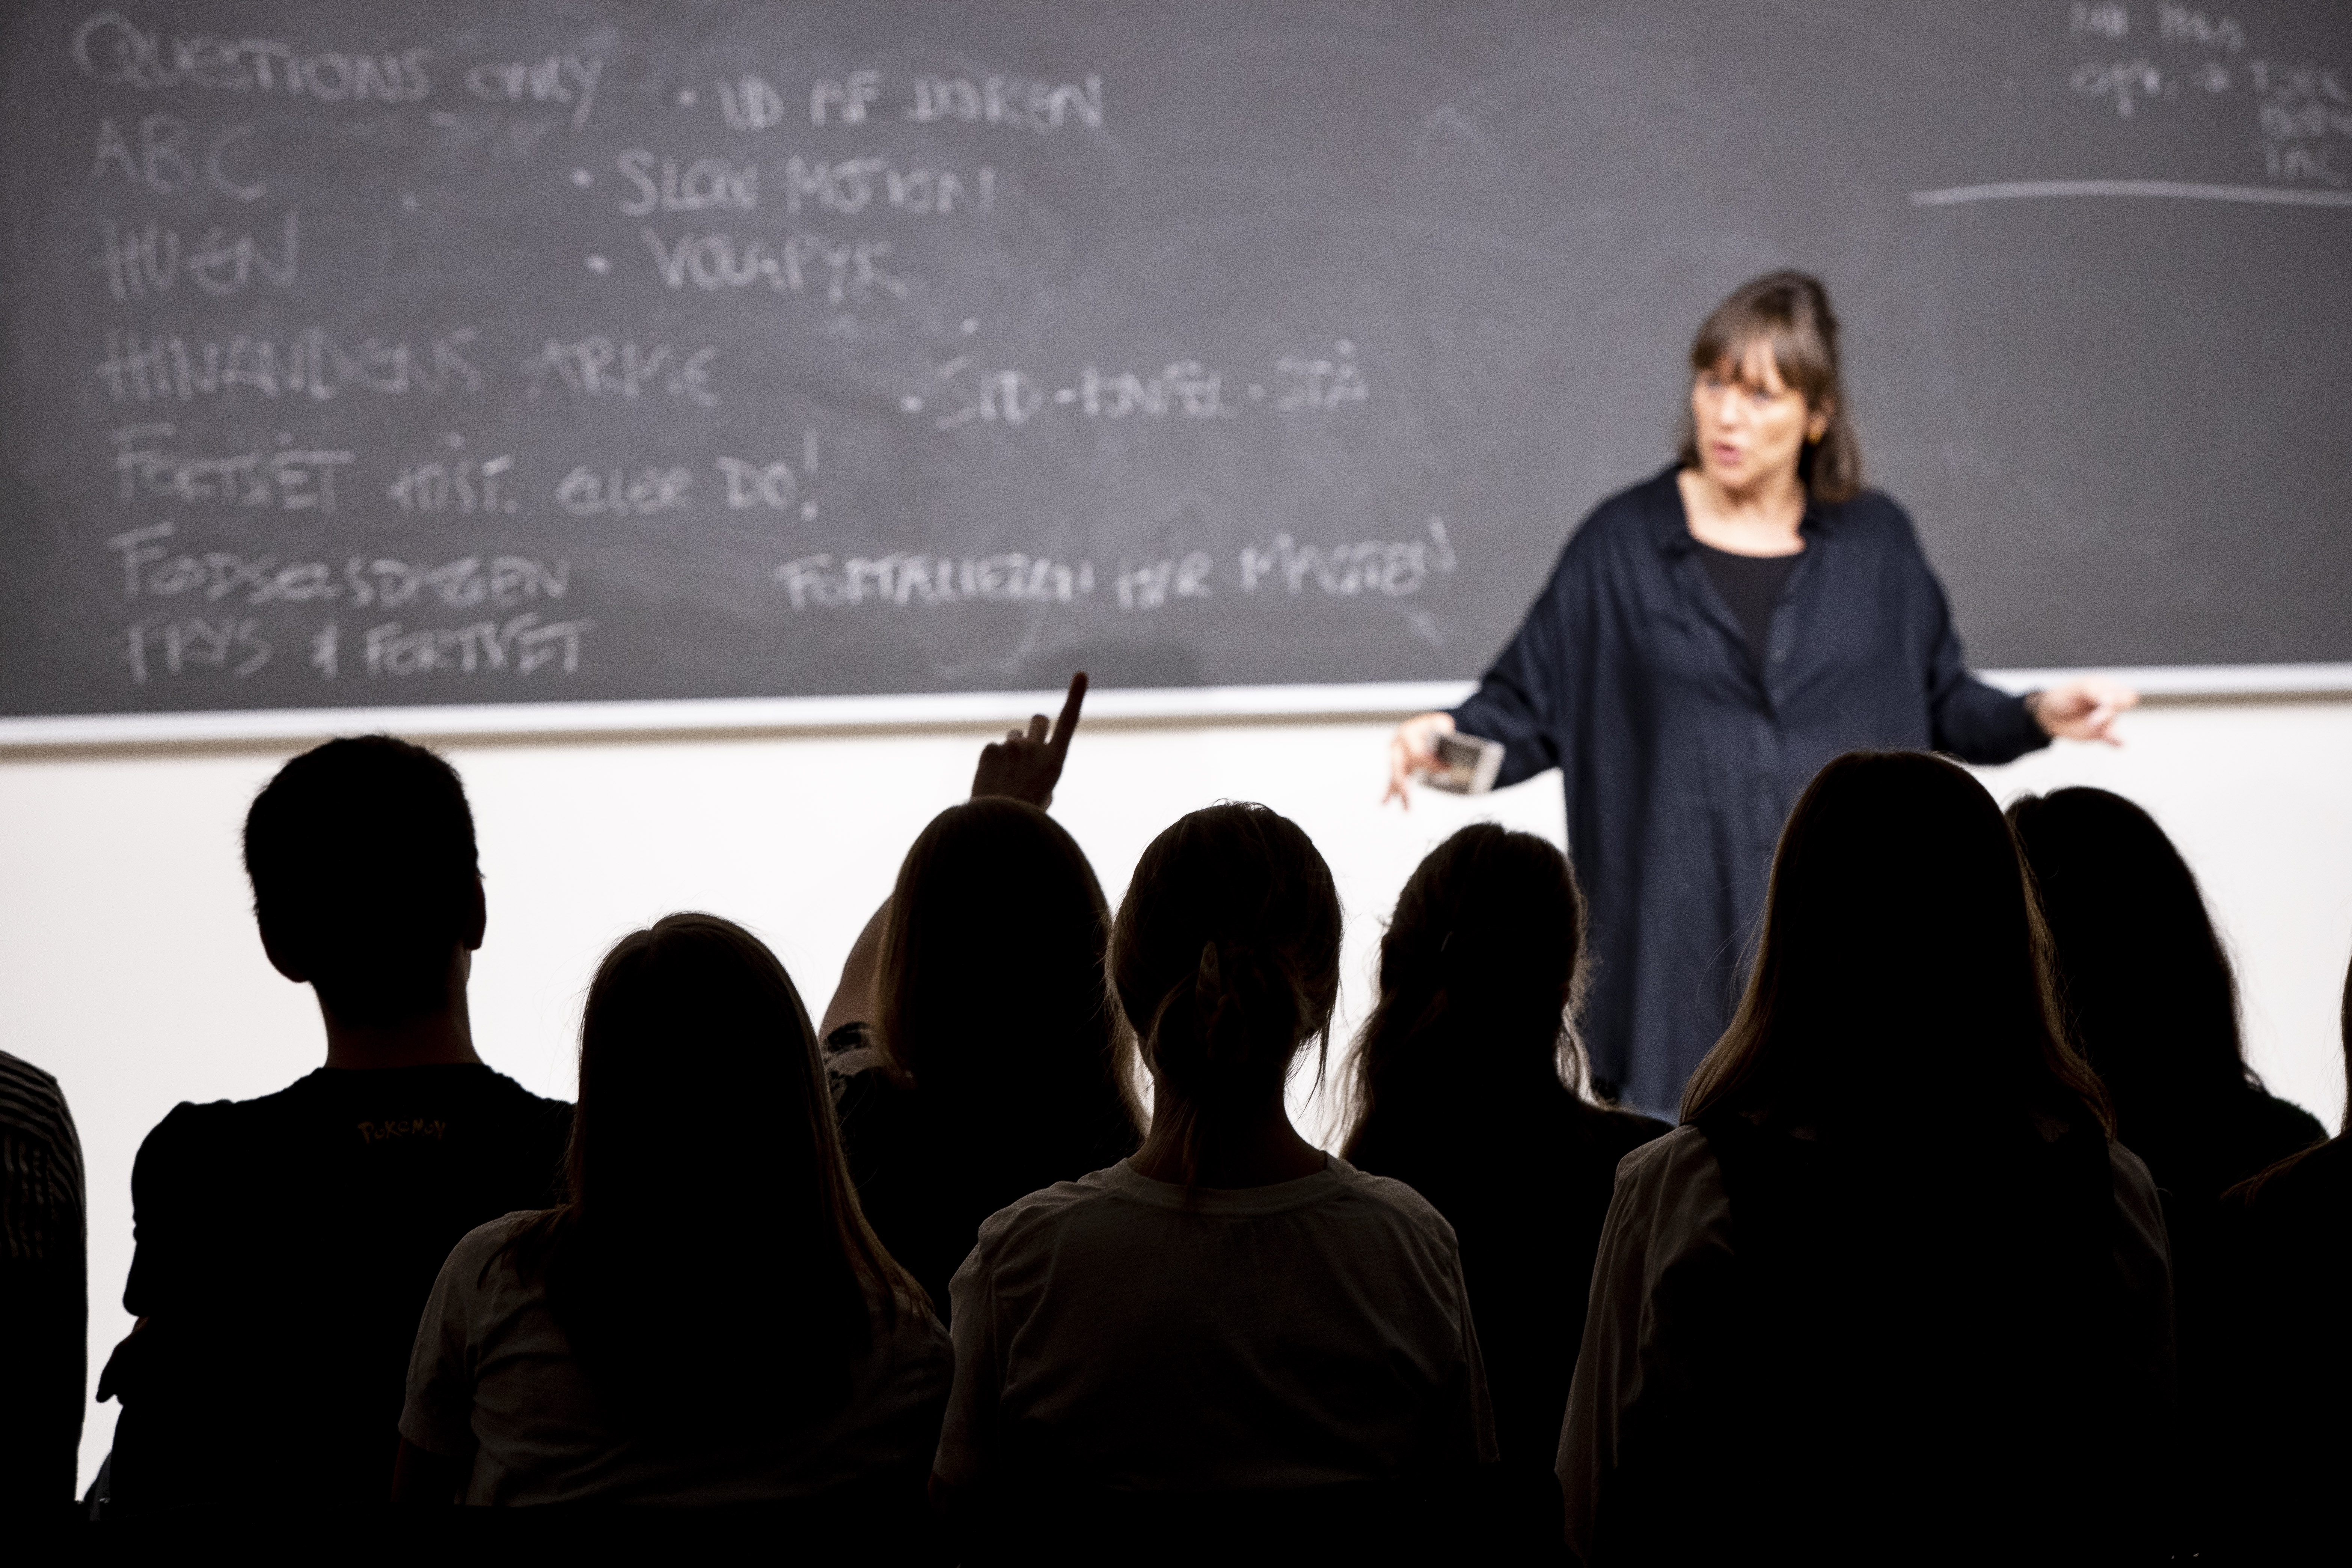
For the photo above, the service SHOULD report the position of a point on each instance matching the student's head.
(988, 984)
(2141, 972)
(1225, 956)
(706, 1174)
(1902, 976)
(1479, 970)
(364, 877)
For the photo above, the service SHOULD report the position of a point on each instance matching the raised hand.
(1028, 764)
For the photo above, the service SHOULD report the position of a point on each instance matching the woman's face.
(1751, 426)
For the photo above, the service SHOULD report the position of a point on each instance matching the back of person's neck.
(440, 1038)
(1250, 1150)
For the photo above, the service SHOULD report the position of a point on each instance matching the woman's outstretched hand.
(1028, 764)
(2084, 709)
(1413, 750)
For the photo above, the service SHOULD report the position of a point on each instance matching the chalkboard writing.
(359, 355)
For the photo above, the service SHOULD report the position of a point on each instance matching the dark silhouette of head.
(365, 882)
(1480, 970)
(2142, 975)
(1788, 313)
(1902, 977)
(989, 986)
(1226, 955)
(712, 1247)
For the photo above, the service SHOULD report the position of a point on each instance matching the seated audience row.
(1900, 1285)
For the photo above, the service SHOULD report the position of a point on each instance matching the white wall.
(128, 966)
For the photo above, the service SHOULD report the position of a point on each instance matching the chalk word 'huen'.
(149, 260)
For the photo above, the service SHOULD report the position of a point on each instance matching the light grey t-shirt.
(1109, 1333)
(493, 1374)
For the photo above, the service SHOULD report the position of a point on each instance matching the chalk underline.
(1952, 196)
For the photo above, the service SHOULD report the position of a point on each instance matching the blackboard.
(438, 352)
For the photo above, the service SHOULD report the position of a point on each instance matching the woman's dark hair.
(2142, 975)
(1902, 978)
(712, 1263)
(1788, 313)
(1225, 954)
(1480, 971)
(989, 986)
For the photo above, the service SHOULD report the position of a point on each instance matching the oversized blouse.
(1680, 755)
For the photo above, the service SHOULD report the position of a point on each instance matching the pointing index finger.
(1066, 725)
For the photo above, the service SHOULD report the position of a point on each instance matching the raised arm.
(1026, 765)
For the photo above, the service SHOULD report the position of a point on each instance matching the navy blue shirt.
(1680, 754)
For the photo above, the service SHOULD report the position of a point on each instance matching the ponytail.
(1225, 954)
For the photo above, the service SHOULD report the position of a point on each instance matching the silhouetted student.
(976, 1051)
(1232, 1311)
(2281, 1443)
(1468, 1088)
(43, 1294)
(1891, 1292)
(709, 1321)
(286, 1244)
(2144, 981)
(2147, 988)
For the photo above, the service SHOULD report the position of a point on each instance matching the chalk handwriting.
(463, 486)
(113, 52)
(852, 184)
(232, 643)
(758, 484)
(801, 261)
(705, 182)
(846, 97)
(559, 78)
(2182, 25)
(1393, 568)
(749, 103)
(586, 492)
(1320, 383)
(151, 570)
(1040, 106)
(149, 260)
(907, 578)
(161, 167)
(1152, 584)
(594, 367)
(522, 644)
(290, 479)
(2102, 21)
(312, 361)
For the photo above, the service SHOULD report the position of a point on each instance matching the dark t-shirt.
(285, 1246)
(1751, 585)
(928, 1172)
(1525, 1180)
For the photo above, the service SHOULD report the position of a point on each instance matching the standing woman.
(1709, 638)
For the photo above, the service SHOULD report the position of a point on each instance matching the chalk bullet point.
(599, 265)
(686, 97)
(1346, 347)
(1066, 395)
(408, 201)
(911, 405)
(970, 326)
(808, 512)
(583, 178)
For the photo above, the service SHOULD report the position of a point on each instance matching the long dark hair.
(1480, 971)
(989, 986)
(1902, 978)
(1789, 314)
(2141, 972)
(712, 1257)
(1225, 954)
